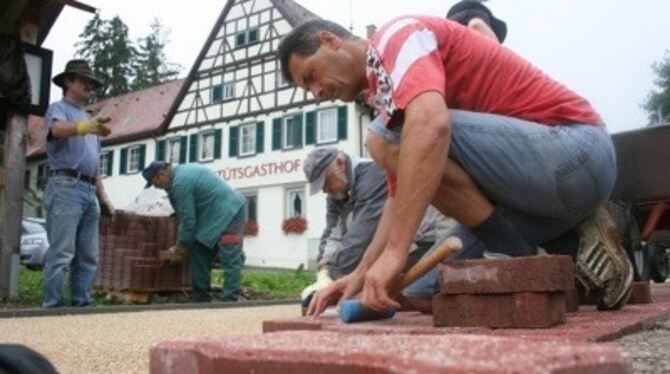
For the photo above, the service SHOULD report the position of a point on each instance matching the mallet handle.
(447, 248)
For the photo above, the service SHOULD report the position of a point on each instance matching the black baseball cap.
(465, 10)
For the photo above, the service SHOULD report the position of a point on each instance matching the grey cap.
(315, 166)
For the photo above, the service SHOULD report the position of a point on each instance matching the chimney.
(370, 30)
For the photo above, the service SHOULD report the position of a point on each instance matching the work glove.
(177, 254)
(94, 126)
(323, 280)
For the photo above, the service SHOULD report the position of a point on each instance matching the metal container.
(643, 161)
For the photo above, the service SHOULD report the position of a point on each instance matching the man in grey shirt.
(71, 196)
(356, 197)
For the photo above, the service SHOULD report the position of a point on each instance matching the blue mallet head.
(352, 310)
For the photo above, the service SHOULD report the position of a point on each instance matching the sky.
(601, 49)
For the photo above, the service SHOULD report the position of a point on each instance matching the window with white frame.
(222, 92)
(217, 93)
(290, 130)
(134, 159)
(207, 146)
(295, 203)
(326, 126)
(228, 90)
(246, 37)
(173, 150)
(252, 35)
(248, 139)
(105, 163)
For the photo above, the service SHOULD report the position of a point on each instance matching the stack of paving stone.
(521, 292)
(131, 249)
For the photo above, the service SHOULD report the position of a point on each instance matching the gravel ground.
(119, 343)
(649, 349)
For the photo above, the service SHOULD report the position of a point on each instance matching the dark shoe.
(602, 265)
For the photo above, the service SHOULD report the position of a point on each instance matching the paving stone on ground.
(641, 293)
(309, 351)
(586, 325)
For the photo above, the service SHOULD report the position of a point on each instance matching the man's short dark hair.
(303, 41)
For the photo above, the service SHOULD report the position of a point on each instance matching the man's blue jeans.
(544, 179)
(73, 214)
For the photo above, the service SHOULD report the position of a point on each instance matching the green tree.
(110, 52)
(92, 45)
(151, 66)
(121, 54)
(658, 101)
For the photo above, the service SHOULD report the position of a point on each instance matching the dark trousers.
(231, 256)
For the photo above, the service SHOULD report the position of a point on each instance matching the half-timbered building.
(235, 114)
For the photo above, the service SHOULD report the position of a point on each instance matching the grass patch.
(270, 284)
(257, 284)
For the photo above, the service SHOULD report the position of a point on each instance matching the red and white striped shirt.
(416, 54)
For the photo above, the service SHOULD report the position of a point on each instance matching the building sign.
(260, 170)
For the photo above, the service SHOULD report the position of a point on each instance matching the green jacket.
(205, 204)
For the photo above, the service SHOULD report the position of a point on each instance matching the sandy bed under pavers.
(119, 343)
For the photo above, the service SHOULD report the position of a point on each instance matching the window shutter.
(297, 119)
(143, 151)
(124, 161)
(160, 150)
(233, 141)
(310, 127)
(217, 144)
(183, 143)
(193, 148)
(342, 122)
(276, 133)
(110, 163)
(260, 136)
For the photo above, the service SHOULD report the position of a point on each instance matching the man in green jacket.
(211, 220)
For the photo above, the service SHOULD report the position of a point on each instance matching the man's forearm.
(423, 156)
(62, 129)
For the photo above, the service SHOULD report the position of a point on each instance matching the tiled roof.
(294, 12)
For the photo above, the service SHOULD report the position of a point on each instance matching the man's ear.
(329, 39)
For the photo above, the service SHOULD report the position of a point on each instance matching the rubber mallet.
(353, 310)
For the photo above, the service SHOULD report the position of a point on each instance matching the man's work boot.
(602, 265)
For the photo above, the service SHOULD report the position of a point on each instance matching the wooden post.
(11, 199)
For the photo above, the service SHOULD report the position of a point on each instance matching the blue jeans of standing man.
(73, 214)
(544, 179)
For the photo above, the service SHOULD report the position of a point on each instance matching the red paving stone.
(323, 352)
(516, 310)
(586, 325)
(520, 274)
(641, 293)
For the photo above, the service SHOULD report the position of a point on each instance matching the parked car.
(34, 242)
